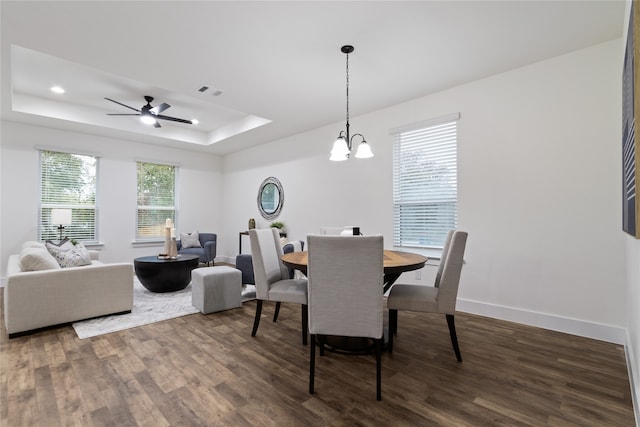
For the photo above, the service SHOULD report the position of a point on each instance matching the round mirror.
(270, 198)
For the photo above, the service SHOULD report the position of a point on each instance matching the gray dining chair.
(345, 293)
(271, 277)
(440, 298)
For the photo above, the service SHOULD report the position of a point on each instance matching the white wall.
(539, 189)
(199, 188)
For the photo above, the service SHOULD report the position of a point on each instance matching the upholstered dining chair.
(272, 277)
(440, 298)
(345, 293)
(244, 263)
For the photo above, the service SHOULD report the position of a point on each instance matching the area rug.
(148, 307)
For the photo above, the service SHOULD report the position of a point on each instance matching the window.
(425, 192)
(68, 181)
(156, 199)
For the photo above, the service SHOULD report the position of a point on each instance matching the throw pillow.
(57, 249)
(190, 240)
(76, 256)
(36, 259)
(33, 244)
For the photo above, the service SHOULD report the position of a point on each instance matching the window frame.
(141, 238)
(46, 230)
(422, 207)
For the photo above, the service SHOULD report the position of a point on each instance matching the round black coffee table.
(165, 275)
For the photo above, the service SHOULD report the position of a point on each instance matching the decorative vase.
(173, 249)
(252, 223)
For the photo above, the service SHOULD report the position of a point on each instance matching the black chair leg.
(275, 313)
(379, 369)
(393, 321)
(312, 363)
(393, 326)
(454, 337)
(305, 323)
(256, 321)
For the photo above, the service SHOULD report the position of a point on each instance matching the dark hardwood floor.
(208, 371)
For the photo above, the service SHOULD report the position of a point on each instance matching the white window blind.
(68, 181)
(156, 199)
(425, 191)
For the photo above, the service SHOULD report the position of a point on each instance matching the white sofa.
(37, 299)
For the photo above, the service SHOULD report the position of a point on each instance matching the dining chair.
(345, 293)
(272, 277)
(440, 298)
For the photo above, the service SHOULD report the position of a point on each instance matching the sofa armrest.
(244, 263)
(210, 249)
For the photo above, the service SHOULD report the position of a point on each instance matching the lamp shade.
(340, 146)
(61, 216)
(364, 151)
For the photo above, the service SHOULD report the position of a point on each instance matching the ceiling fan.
(149, 114)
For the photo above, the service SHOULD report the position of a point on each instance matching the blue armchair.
(207, 252)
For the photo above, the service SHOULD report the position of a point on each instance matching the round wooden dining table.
(394, 262)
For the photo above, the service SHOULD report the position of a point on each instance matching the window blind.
(156, 199)
(425, 205)
(68, 181)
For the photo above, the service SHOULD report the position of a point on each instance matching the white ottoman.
(216, 288)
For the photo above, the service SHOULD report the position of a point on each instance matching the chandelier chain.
(347, 88)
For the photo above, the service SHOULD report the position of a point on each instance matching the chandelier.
(344, 143)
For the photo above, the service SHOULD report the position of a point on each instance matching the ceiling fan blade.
(123, 114)
(159, 108)
(120, 103)
(173, 119)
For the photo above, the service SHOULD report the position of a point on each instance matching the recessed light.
(57, 89)
(195, 121)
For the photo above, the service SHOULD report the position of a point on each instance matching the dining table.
(394, 263)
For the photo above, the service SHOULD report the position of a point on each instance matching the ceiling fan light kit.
(148, 114)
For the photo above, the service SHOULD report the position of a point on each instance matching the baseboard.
(632, 364)
(598, 331)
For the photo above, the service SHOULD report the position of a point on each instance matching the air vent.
(213, 91)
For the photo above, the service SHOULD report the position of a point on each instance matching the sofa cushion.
(191, 240)
(33, 244)
(35, 259)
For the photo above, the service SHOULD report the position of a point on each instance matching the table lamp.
(61, 217)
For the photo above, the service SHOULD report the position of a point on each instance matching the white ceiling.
(278, 64)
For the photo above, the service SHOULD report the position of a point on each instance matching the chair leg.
(276, 312)
(305, 323)
(393, 321)
(312, 363)
(454, 337)
(393, 326)
(256, 321)
(379, 369)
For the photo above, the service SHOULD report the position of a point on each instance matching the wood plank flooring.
(202, 370)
